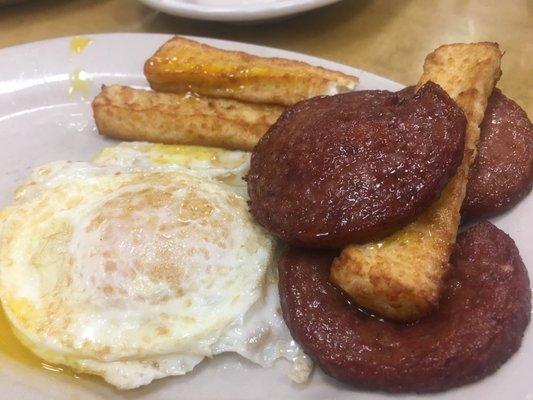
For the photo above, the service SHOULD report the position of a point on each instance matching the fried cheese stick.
(182, 65)
(133, 114)
(401, 276)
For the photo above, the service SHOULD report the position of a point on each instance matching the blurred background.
(388, 38)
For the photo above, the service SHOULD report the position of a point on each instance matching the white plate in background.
(235, 10)
(41, 122)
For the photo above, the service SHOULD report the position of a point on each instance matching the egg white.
(140, 265)
(226, 166)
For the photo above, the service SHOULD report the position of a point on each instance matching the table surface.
(386, 37)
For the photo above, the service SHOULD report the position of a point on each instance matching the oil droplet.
(79, 43)
(79, 82)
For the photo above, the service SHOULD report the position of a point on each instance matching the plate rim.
(234, 14)
(227, 44)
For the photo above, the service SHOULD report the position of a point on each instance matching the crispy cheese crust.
(182, 65)
(134, 114)
(401, 276)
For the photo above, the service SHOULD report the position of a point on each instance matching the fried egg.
(140, 265)
(226, 166)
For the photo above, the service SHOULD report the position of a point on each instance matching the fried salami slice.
(483, 313)
(502, 173)
(356, 166)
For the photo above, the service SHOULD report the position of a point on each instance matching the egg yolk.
(11, 348)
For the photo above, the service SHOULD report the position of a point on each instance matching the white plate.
(235, 10)
(41, 122)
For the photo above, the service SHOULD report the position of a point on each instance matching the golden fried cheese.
(183, 65)
(125, 113)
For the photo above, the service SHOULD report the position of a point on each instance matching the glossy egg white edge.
(41, 122)
(226, 166)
